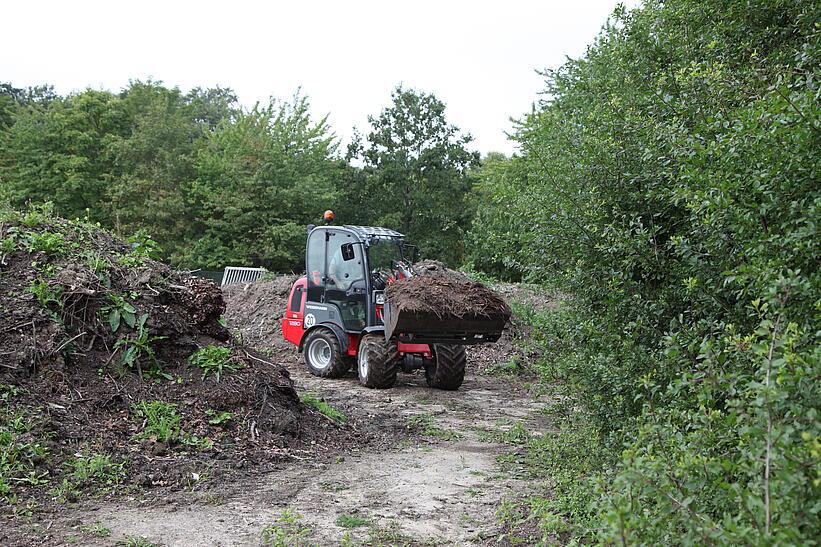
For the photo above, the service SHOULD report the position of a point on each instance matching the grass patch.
(218, 418)
(161, 421)
(351, 521)
(89, 469)
(136, 541)
(96, 529)
(324, 408)
(516, 434)
(425, 424)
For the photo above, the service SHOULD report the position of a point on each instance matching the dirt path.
(442, 485)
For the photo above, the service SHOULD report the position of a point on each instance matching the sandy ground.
(442, 487)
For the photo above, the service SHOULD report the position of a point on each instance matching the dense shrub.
(670, 182)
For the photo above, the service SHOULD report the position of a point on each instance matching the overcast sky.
(479, 57)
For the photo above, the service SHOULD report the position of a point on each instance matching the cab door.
(345, 283)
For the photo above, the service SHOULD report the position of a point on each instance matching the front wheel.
(377, 361)
(323, 355)
(448, 368)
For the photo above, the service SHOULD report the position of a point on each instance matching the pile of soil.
(443, 293)
(90, 330)
(254, 311)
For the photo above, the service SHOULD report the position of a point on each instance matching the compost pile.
(254, 311)
(110, 356)
(438, 291)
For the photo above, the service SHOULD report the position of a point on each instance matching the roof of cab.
(374, 232)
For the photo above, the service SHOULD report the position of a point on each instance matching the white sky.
(479, 57)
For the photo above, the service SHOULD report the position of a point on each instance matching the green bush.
(214, 360)
(669, 186)
(161, 421)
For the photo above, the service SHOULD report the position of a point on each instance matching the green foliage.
(161, 421)
(137, 348)
(416, 177)
(89, 469)
(351, 521)
(323, 408)
(20, 453)
(96, 529)
(119, 310)
(214, 360)
(287, 531)
(261, 179)
(47, 295)
(52, 243)
(136, 541)
(668, 185)
(143, 245)
(218, 418)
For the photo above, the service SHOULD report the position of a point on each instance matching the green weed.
(351, 521)
(37, 215)
(118, 311)
(139, 347)
(161, 421)
(136, 541)
(287, 531)
(45, 294)
(214, 360)
(20, 454)
(324, 408)
(218, 418)
(95, 468)
(517, 434)
(96, 529)
(51, 243)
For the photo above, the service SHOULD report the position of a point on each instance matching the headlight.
(379, 298)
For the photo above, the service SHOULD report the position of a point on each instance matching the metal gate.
(235, 274)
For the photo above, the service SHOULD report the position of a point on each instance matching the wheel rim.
(363, 364)
(320, 353)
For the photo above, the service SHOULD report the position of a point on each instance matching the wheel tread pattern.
(448, 372)
(383, 361)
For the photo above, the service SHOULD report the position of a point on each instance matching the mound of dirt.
(108, 354)
(440, 292)
(254, 311)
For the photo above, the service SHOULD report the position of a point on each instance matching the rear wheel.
(377, 361)
(448, 368)
(323, 354)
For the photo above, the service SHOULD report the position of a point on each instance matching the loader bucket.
(441, 328)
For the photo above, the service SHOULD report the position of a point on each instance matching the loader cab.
(347, 268)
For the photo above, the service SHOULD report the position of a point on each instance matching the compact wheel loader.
(338, 316)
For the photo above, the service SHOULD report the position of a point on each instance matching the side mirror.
(347, 252)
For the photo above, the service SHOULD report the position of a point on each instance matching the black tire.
(378, 361)
(323, 355)
(448, 368)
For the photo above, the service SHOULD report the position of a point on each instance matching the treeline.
(669, 184)
(217, 184)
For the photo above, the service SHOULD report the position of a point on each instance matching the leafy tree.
(417, 174)
(56, 150)
(261, 179)
(155, 162)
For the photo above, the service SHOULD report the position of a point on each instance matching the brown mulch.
(67, 386)
(443, 293)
